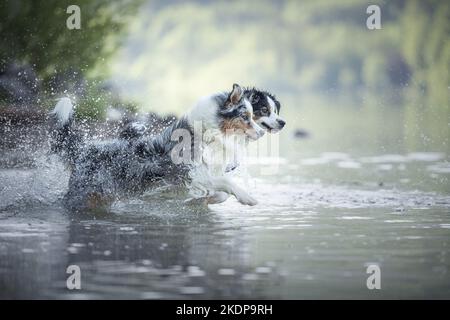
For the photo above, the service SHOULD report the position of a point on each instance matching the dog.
(103, 171)
(266, 113)
(266, 109)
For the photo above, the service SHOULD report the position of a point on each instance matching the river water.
(330, 208)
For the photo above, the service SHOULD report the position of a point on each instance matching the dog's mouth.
(255, 132)
(268, 128)
(254, 135)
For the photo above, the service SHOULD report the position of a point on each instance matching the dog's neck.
(204, 113)
(203, 116)
(204, 120)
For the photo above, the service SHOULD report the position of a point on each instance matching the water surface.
(329, 212)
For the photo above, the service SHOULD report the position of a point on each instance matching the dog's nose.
(281, 122)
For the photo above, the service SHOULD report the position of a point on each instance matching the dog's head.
(266, 110)
(236, 115)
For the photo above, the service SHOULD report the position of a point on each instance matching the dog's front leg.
(226, 185)
(217, 197)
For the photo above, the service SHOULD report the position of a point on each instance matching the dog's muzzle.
(255, 132)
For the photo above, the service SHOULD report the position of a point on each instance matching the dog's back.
(102, 171)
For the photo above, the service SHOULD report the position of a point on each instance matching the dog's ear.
(236, 94)
(278, 106)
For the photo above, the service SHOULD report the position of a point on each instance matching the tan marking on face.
(230, 125)
(256, 117)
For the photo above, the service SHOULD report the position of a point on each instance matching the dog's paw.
(246, 199)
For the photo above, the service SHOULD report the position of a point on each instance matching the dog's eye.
(265, 110)
(245, 116)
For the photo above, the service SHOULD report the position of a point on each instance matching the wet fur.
(104, 171)
(133, 129)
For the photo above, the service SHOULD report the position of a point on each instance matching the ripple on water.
(440, 167)
(349, 164)
(126, 229)
(385, 167)
(150, 295)
(398, 158)
(311, 195)
(194, 271)
(325, 158)
(191, 290)
(250, 277)
(263, 270)
(426, 156)
(73, 250)
(226, 272)
(385, 158)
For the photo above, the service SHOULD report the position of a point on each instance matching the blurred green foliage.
(290, 46)
(34, 33)
(294, 48)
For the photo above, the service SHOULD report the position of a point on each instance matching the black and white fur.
(266, 109)
(266, 113)
(104, 171)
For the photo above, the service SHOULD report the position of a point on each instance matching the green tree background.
(34, 33)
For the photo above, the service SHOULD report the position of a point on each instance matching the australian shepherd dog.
(103, 171)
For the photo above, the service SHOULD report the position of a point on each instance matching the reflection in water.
(32, 252)
(305, 241)
(127, 255)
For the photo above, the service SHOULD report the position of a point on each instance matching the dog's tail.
(65, 139)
